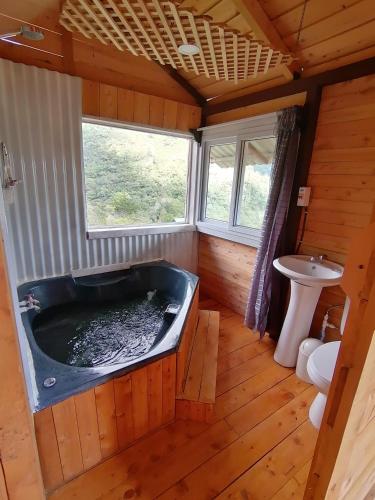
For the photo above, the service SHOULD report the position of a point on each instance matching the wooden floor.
(259, 447)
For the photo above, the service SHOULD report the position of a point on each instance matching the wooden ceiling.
(334, 33)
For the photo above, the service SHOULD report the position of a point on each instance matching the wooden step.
(197, 398)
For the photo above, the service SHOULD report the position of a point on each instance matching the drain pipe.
(326, 324)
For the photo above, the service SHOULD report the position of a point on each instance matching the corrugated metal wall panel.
(41, 127)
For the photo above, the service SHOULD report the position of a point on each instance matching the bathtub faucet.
(28, 303)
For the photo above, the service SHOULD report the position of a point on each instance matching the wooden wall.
(85, 429)
(20, 475)
(342, 177)
(107, 101)
(258, 109)
(225, 270)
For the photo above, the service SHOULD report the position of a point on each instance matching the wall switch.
(303, 196)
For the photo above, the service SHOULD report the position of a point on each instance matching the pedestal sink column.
(297, 323)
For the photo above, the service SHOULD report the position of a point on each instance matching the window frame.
(145, 229)
(240, 131)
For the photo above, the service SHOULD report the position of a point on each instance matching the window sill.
(251, 240)
(118, 232)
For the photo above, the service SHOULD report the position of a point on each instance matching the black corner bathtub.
(92, 328)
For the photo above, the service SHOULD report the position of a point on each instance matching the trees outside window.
(134, 177)
(236, 185)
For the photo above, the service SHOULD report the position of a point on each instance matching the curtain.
(264, 301)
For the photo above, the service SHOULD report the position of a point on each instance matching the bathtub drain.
(49, 382)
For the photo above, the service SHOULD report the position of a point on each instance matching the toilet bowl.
(320, 367)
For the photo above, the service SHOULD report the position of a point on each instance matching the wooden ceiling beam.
(184, 84)
(264, 30)
(338, 75)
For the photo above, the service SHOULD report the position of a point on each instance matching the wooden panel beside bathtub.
(85, 429)
(225, 270)
(186, 344)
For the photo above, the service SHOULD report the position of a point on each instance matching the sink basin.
(314, 273)
(307, 278)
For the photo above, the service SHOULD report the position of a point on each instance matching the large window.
(134, 177)
(236, 180)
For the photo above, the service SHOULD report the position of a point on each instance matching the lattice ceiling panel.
(155, 29)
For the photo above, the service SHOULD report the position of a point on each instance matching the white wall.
(40, 123)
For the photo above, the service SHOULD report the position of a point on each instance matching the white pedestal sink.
(308, 275)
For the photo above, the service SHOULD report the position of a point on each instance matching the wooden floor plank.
(233, 337)
(253, 412)
(131, 462)
(276, 468)
(260, 445)
(234, 358)
(160, 474)
(216, 474)
(235, 376)
(295, 487)
(251, 388)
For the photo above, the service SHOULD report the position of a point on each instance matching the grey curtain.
(264, 301)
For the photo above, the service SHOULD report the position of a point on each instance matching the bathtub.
(51, 376)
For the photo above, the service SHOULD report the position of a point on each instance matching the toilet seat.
(321, 365)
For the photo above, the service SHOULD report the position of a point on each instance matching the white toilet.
(320, 367)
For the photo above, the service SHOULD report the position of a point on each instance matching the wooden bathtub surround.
(85, 429)
(20, 476)
(196, 399)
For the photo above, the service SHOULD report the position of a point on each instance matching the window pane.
(134, 177)
(220, 179)
(256, 172)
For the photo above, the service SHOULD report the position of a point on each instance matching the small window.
(134, 177)
(221, 165)
(237, 163)
(255, 183)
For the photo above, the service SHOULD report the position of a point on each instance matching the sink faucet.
(318, 258)
(28, 303)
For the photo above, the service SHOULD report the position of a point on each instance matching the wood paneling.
(20, 475)
(186, 344)
(258, 109)
(107, 101)
(333, 34)
(197, 399)
(342, 177)
(225, 270)
(85, 429)
(67, 436)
